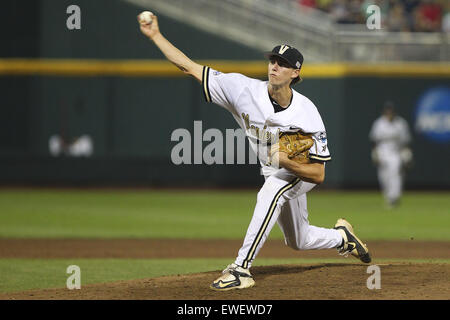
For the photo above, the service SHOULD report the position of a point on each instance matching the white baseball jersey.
(248, 101)
(390, 136)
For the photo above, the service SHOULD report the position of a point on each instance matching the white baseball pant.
(390, 176)
(282, 198)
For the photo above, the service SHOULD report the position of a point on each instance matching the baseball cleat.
(351, 244)
(233, 277)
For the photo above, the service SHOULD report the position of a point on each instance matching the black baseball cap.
(389, 106)
(291, 55)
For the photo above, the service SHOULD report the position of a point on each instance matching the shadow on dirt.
(262, 272)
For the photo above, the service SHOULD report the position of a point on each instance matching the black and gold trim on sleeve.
(205, 81)
(319, 157)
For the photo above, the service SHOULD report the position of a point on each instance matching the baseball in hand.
(145, 17)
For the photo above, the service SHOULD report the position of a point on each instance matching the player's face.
(280, 73)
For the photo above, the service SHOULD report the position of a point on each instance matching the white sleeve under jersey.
(223, 89)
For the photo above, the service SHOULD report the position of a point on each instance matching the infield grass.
(28, 274)
(208, 214)
(30, 213)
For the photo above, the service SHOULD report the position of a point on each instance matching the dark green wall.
(131, 121)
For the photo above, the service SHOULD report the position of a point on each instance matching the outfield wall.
(94, 81)
(131, 119)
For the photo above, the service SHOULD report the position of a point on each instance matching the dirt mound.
(284, 282)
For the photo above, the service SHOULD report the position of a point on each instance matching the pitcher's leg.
(299, 234)
(269, 201)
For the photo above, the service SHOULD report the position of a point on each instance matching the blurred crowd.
(396, 15)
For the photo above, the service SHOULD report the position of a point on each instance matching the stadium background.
(107, 81)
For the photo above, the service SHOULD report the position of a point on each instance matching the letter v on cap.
(283, 48)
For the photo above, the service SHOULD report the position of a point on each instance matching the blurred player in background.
(391, 153)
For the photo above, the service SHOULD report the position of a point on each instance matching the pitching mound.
(284, 282)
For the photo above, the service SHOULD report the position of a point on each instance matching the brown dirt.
(285, 282)
(195, 248)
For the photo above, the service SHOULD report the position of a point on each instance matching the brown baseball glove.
(295, 144)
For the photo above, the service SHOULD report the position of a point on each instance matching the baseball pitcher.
(275, 115)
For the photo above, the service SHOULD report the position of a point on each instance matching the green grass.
(27, 274)
(32, 213)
